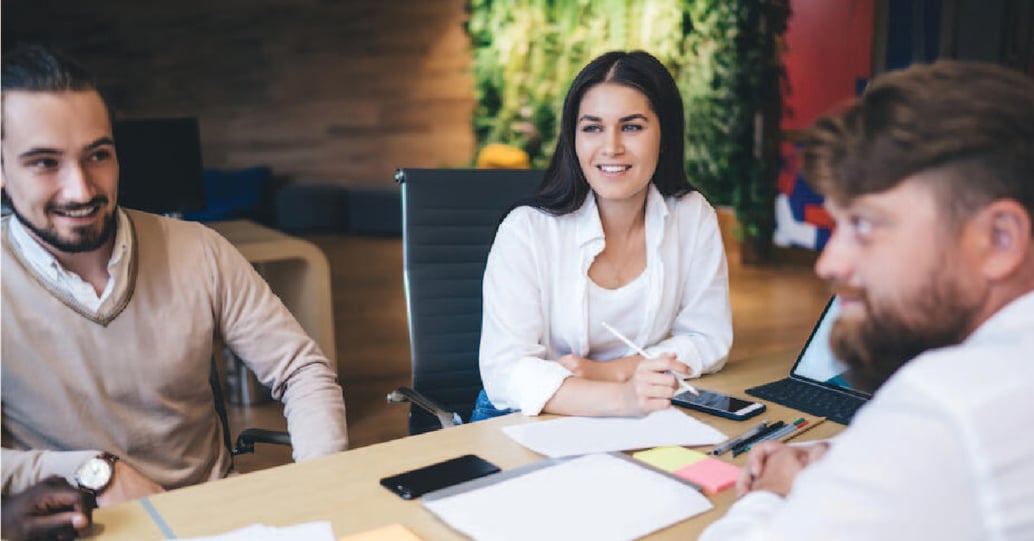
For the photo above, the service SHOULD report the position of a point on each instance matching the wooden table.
(344, 488)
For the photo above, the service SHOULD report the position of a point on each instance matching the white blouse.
(536, 295)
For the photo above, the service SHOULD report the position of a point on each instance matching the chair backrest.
(449, 219)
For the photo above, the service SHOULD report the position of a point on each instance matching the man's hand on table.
(773, 466)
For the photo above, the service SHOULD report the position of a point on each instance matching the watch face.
(94, 474)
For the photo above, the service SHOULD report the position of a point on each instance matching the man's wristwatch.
(94, 475)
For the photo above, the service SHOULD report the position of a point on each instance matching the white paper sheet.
(598, 497)
(309, 531)
(583, 435)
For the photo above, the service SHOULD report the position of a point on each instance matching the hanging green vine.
(527, 52)
(731, 87)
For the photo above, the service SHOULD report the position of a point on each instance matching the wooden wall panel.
(322, 91)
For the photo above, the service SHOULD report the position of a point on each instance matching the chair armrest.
(406, 394)
(248, 437)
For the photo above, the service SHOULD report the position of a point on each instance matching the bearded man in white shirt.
(930, 179)
(109, 314)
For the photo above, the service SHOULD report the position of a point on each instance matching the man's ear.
(1011, 240)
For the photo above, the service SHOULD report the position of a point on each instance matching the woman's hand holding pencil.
(650, 387)
(679, 379)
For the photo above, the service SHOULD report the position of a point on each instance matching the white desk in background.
(296, 270)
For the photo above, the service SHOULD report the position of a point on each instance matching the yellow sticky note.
(669, 458)
(394, 532)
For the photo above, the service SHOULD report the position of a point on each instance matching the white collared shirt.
(48, 268)
(943, 451)
(536, 295)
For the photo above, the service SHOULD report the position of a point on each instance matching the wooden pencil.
(811, 424)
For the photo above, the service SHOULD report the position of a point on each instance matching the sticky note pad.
(711, 474)
(669, 458)
(394, 532)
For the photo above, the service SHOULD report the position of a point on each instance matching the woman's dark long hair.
(564, 187)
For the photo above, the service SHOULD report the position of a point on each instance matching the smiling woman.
(617, 142)
(615, 235)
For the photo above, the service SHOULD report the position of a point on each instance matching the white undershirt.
(622, 309)
(47, 267)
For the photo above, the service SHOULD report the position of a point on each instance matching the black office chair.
(449, 219)
(248, 437)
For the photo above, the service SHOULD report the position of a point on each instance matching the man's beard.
(86, 238)
(877, 345)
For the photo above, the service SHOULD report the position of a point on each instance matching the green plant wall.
(721, 52)
(527, 52)
(731, 85)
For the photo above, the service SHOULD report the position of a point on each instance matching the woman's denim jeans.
(484, 409)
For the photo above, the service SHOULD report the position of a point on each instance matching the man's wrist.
(95, 475)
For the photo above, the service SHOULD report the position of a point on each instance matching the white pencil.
(683, 386)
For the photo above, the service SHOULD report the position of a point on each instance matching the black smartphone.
(416, 483)
(719, 404)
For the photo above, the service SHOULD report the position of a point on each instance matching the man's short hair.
(972, 123)
(34, 68)
(37, 69)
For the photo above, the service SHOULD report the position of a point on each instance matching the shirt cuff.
(65, 463)
(747, 519)
(759, 502)
(534, 382)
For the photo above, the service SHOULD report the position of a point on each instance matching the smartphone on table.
(719, 404)
(416, 483)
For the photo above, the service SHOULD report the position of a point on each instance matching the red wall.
(830, 47)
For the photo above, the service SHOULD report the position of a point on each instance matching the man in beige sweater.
(109, 314)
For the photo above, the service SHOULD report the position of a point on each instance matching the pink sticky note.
(712, 474)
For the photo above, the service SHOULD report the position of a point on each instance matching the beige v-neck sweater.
(133, 380)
